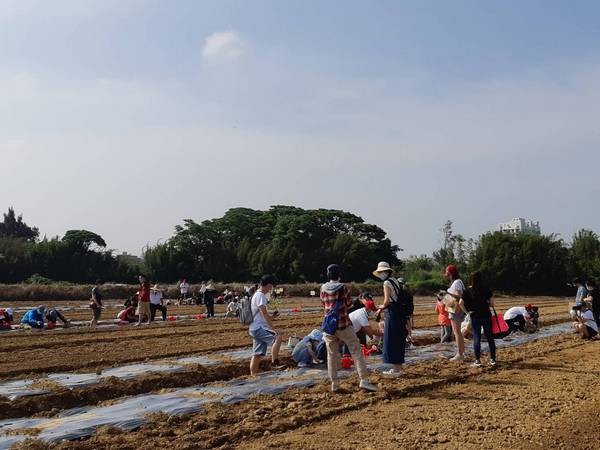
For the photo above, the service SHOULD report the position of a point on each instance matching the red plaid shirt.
(328, 300)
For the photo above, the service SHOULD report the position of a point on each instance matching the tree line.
(295, 245)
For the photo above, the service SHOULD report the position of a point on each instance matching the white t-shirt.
(457, 287)
(155, 297)
(233, 307)
(359, 319)
(516, 311)
(588, 319)
(259, 299)
(184, 287)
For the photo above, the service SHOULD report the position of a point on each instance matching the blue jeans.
(485, 323)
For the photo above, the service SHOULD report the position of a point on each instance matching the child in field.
(443, 319)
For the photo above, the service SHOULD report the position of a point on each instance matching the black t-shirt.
(477, 302)
(356, 305)
(96, 294)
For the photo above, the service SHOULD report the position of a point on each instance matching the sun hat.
(41, 309)
(529, 307)
(9, 311)
(316, 335)
(382, 267)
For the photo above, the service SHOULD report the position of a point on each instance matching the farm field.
(539, 385)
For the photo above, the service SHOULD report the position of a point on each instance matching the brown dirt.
(543, 395)
(80, 349)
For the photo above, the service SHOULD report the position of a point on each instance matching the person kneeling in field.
(34, 317)
(262, 329)
(6, 318)
(233, 308)
(52, 316)
(305, 351)
(128, 315)
(586, 324)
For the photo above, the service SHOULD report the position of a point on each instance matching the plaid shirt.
(328, 300)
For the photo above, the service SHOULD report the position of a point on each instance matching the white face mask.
(383, 276)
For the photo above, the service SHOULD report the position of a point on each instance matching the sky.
(125, 117)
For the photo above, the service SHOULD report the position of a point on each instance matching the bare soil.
(543, 395)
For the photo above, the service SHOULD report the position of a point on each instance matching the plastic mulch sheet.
(131, 412)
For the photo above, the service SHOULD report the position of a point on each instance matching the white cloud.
(223, 46)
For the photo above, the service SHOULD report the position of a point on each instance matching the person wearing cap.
(305, 351)
(518, 318)
(360, 322)
(262, 329)
(6, 318)
(398, 306)
(337, 330)
(96, 304)
(34, 317)
(456, 309)
(157, 303)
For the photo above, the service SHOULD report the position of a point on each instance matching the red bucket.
(171, 318)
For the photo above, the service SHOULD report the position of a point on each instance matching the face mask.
(383, 276)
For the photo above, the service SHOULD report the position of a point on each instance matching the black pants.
(153, 309)
(516, 324)
(210, 308)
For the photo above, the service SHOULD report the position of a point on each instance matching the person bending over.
(305, 351)
(35, 317)
(53, 315)
(6, 318)
(518, 318)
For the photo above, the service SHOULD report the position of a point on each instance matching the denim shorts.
(457, 316)
(261, 339)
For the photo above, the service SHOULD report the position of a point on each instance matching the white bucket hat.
(382, 267)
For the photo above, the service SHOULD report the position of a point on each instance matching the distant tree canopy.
(14, 227)
(71, 258)
(292, 243)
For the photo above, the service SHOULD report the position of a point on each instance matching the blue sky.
(126, 116)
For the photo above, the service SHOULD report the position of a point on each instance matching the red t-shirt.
(144, 293)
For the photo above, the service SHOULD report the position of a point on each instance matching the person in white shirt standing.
(156, 303)
(262, 329)
(184, 288)
(456, 309)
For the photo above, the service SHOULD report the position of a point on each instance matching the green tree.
(13, 226)
(585, 254)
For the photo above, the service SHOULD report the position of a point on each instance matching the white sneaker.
(492, 363)
(393, 373)
(335, 386)
(365, 385)
(477, 363)
(457, 358)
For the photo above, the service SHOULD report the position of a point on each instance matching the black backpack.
(404, 299)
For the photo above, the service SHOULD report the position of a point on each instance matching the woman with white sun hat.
(398, 306)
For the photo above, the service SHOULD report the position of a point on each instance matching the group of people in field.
(346, 324)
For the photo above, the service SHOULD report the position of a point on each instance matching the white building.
(520, 226)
